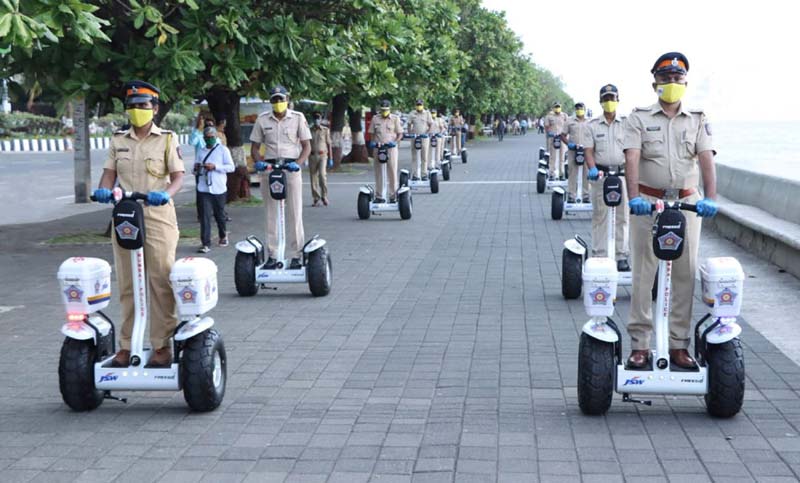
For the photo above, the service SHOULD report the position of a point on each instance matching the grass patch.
(187, 235)
(252, 201)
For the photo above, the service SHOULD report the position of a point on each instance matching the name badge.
(122, 150)
(653, 128)
(600, 135)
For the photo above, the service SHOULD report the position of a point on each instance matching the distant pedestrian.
(212, 164)
(321, 153)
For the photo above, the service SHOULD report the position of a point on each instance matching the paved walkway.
(445, 352)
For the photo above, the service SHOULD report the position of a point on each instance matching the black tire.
(463, 156)
(557, 205)
(404, 202)
(76, 375)
(403, 179)
(654, 290)
(434, 179)
(725, 364)
(571, 274)
(202, 355)
(244, 274)
(541, 182)
(320, 272)
(363, 206)
(446, 171)
(596, 366)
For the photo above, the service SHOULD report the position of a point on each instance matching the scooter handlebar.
(118, 195)
(661, 205)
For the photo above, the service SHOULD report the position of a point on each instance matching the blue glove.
(391, 145)
(707, 208)
(261, 166)
(593, 173)
(102, 195)
(330, 162)
(571, 145)
(293, 167)
(372, 145)
(157, 198)
(640, 206)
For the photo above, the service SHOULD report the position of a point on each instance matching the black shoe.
(270, 264)
(295, 264)
(393, 200)
(586, 200)
(379, 200)
(570, 199)
(415, 178)
(424, 178)
(622, 266)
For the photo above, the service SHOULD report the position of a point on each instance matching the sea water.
(765, 147)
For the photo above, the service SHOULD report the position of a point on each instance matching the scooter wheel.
(595, 375)
(434, 179)
(404, 205)
(446, 171)
(463, 157)
(204, 371)
(725, 378)
(541, 182)
(320, 272)
(244, 274)
(76, 375)
(557, 205)
(363, 206)
(571, 274)
(403, 179)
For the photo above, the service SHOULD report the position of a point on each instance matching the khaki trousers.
(318, 167)
(556, 158)
(645, 264)
(391, 170)
(600, 213)
(295, 236)
(573, 177)
(160, 243)
(457, 142)
(440, 147)
(426, 156)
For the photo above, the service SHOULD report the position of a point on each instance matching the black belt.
(285, 160)
(620, 170)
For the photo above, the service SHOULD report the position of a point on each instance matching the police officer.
(440, 126)
(386, 128)
(554, 124)
(420, 122)
(603, 153)
(145, 158)
(456, 126)
(285, 136)
(667, 149)
(321, 155)
(575, 133)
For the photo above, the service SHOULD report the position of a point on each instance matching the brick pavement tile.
(433, 477)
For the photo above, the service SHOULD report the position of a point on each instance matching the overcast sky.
(742, 59)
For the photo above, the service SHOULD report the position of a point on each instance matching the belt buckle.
(672, 194)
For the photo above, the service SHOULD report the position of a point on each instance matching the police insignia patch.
(669, 241)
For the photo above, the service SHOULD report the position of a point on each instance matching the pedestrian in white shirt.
(212, 164)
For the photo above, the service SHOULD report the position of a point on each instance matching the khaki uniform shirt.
(669, 146)
(457, 121)
(386, 129)
(320, 140)
(439, 126)
(420, 122)
(577, 130)
(555, 122)
(606, 140)
(144, 165)
(281, 137)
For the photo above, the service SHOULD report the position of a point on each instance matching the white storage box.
(722, 280)
(194, 283)
(85, 284)
(599, 286)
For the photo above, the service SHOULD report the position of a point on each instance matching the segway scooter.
(544, 182)
(250, 274)
(461, 155)
(85, 375)
(559, 203)
(576, 250)
(443, 164)
(433, 175)
(719, 375)
(366, 194)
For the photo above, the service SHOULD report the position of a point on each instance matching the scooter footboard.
(662, 382)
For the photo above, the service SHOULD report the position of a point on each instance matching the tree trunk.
(337, 126)
(224, 105)
(359, 152)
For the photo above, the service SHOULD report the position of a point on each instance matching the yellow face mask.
(385, 112)
(420, 108)
(433, 115)
(670, 93)
(580, 112)
(280, 107)
(557, 110)
(140, 117)
(609, 106)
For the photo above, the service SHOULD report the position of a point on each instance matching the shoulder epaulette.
(641, 108)
(120, 131)
(697, 111)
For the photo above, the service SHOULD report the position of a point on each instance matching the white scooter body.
(368, 191)
(718, 327)
(432, 183)
(560, 194)
(543, 181)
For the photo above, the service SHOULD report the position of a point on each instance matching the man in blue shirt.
(212, 164)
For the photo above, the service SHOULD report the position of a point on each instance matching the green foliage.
(29, 125)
